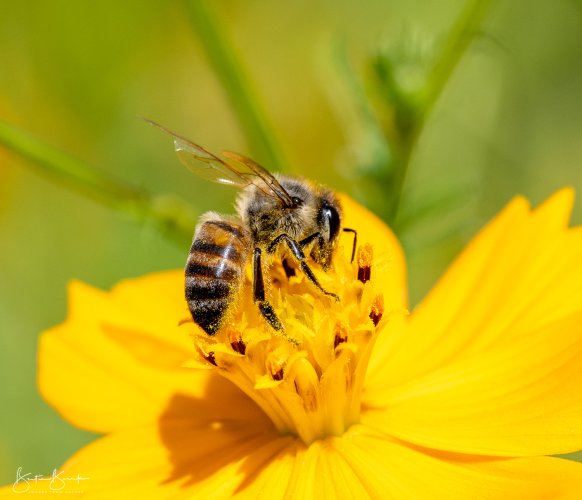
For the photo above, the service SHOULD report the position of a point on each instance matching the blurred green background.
(76, 75)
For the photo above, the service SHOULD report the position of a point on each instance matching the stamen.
(278, 375)
(377, 309)
(306, 382)
(275, 364)
(307, 377)
(289, 270)
(208, 356)
(236, 342)
(365, 255)
(341, 334)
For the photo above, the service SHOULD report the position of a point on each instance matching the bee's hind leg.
(259, 293)
(295, 248)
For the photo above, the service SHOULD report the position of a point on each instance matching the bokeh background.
(77, 74)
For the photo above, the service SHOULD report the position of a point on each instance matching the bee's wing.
(235, 170)
(206, 165)
(262, 176)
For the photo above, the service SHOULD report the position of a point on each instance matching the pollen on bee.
(377, 309)
(365, 255)
(340, 334)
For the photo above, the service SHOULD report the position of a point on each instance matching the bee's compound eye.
(331, 219)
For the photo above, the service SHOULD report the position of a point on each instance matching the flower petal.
(486, 364)
(321, 472)
(100, 385)
(271, 479)
(115, 362)
(521, 399)
(386, 247)
(152, 305)
(190, 453)
(389, 469)
(521, 272)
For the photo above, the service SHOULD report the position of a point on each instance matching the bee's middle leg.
(259, 293)
(296, 251)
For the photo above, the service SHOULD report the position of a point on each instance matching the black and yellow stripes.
(214, 272)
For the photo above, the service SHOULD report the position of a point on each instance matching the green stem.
(169, 213)
(222, 55)
(462, 33)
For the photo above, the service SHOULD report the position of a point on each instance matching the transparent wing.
(266, 177)
(202, 162)
(206, 165)
(235, 170)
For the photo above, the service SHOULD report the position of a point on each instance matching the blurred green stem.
(169, 213)
(462, 33)
(222, 56)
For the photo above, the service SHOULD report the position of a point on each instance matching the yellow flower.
(462, 398)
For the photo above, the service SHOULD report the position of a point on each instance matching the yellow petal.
(386, 247)
(116, 361)
(271, 478)
(388, 469)
(321, 472)
(99, 386)
(487, 363)
(519, 399)
(181, 457)
(521, 272)
(152, 305)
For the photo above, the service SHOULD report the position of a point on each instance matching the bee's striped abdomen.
(215, 271)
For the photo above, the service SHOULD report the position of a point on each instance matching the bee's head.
(315, 211)
(329, 224)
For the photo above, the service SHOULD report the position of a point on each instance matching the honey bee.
(275, 215)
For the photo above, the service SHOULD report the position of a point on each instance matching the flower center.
(308, 377)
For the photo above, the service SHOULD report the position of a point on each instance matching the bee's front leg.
(306, 241)
(259, 293)
(296, 251)
(287, 267)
